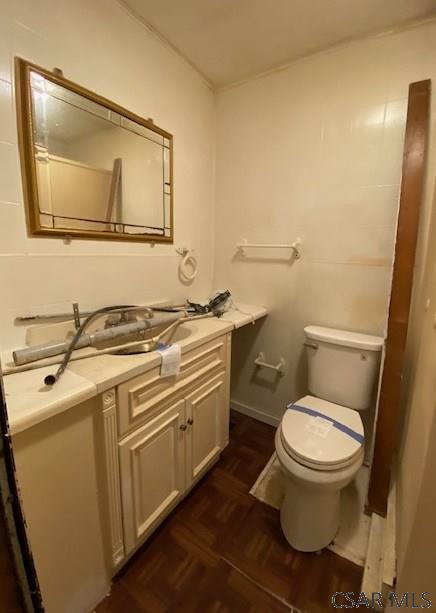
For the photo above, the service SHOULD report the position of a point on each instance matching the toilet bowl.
(320, 440)
(318, 461)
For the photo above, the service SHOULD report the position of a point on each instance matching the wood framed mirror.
(90, 168)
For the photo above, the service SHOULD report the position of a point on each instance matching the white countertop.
(29, 401)
(244, 314)
(108, 370)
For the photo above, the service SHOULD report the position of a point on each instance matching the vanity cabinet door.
(152, 462)
(206, 409)
(140, 398)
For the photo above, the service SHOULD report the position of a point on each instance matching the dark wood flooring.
(222, 551)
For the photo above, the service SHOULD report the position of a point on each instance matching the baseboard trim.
(239, 407)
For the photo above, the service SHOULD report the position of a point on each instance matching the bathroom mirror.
(91, 169)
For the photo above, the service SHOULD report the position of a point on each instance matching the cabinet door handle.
(190, 421)
(183, 427)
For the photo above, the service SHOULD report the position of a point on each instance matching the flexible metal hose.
(51, 379)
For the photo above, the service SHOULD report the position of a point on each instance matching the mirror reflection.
(95, 168)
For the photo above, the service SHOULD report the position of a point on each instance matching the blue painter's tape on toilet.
(336, 424)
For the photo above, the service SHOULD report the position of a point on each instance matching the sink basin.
(181, 333)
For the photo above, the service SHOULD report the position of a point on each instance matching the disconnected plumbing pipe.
(43, 363)
(95, 339)
(137, 329)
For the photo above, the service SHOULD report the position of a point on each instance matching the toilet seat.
(321, 435)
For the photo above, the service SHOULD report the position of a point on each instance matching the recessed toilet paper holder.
(260, 361)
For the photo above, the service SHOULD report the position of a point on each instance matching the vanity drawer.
(141, 397)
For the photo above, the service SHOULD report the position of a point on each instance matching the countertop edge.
(24, 422)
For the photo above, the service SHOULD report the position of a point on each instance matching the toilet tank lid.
(345, 338)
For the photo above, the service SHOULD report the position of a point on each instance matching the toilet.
(320, 440)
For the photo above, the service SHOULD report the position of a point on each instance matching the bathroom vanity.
(161, 435)
(117, 447)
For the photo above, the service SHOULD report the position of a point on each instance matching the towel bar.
(295, 246)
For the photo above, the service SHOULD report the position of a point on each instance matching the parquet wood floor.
(222, 550)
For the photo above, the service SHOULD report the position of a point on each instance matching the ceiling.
(229, 40)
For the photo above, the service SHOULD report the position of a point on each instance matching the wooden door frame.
(412, 187)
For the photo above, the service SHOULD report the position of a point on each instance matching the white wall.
(416, 498)
(100, 46)
(315, 151)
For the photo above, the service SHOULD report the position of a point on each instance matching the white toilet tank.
(342, 365)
